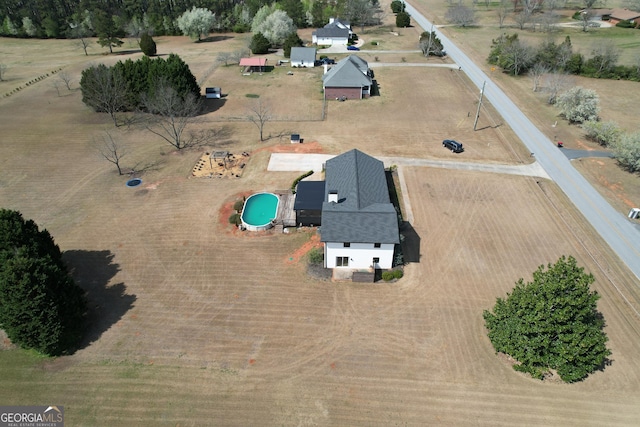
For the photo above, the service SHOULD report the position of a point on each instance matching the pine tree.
(41, 307)
(259, 44)
(108, 32)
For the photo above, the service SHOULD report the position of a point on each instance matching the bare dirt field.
(193, 325)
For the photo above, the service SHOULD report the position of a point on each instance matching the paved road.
(620, 233)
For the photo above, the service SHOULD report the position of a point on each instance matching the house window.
(342, 261)
(376, 261)
(346, 245)
(376, 245)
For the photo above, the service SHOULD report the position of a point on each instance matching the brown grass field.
(195, 324)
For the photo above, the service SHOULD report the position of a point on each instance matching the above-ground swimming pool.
(259, 210)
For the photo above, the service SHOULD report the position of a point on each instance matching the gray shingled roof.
(346, 73)
(358, 62)
(305, 54)
(335, 32)
(364, 213)
(337, 22)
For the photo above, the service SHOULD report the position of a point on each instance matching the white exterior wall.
(329, 41)
(298, 63)
(360, 254)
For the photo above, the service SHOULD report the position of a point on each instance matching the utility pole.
(479, 105)
(429, 44)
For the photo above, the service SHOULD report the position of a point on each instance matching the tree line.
(517, 57)
(90, 18)
(551, 66)
(163, 94)
(128, 85)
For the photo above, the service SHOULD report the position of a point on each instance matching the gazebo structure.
(218, 156)
(253, 64)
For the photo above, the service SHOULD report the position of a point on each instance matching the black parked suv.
(452, 145)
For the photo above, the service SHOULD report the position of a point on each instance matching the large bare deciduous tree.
(363, 12)
(171, 115)
(536, 72)
(605, 56)
(105, 90)
(461, 15)
(556, 83)
(66, 79)
(502, 11)
(224, 57)
(260, 115)
(110, 149)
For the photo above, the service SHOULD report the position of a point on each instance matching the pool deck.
(286, 216)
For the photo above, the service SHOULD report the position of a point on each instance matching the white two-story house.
(359, 223)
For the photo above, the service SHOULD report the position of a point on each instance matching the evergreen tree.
(551, 323)
(295, 11)
(120, 88)
(40, 305)
(259, 44)
(397, 6)
(293, 40)
(108, 32)
(147, 44)
(403, 20)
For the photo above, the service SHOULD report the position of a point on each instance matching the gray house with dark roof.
(350, 78)
(359, 222)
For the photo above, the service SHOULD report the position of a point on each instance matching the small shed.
(213, 93)
(295, 138)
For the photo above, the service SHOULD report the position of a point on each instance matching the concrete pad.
(293, 162)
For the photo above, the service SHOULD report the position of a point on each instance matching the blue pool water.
(258, 211)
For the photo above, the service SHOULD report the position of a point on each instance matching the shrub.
(579, 104)
(626, 151)
(259, 44)
(387, 276)
(235, 219)
(316, 256)
(397, 274)
(298, 179)
(147, 45)
(397, 6)
(237, 206)
(403, 20)
(241, 28)
(625, 24)
(604, 133)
